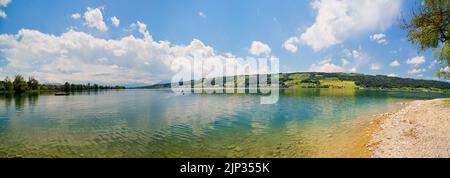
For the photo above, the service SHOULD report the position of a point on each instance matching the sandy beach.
(421, 129)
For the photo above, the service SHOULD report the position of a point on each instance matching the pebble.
(432, 123)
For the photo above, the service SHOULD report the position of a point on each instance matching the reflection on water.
(149, 123)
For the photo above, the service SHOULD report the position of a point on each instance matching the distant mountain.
(342, 80)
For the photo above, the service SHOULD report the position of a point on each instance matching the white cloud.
(344, 62)
(94, 19)
(201, 14)
(80, 57)
(326, 67)
(355, 58)
(375, 66)
(392, 75)
(3, 3)
(258, 48)
(76, 16)
(115, 21)
(380, 38)
(355, 54)
(416, 60)
(445, 70)
(329, 67)
(291, 44)
(142, 28)
(338, 20)
(394, 63)
(350, 61)
(416, 71)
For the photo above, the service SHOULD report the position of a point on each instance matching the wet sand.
(350, 139)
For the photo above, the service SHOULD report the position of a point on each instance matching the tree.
(429, 28)
(67, 86)
(19, 84)
(33, 84)
(2, 86)
(8, 84)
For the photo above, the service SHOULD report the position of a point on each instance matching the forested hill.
(361, 80)
(347, 80)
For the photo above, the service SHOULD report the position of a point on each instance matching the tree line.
(381, 81)
(368, 81)
(20, 85)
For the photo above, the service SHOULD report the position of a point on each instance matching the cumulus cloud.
(142, 28)
(291, 44)
(258, 48)
(93, 18)
(344, 62)
(392, 75)
(337, 20)
(355, 54)
(415, 61)
(394, 63)
(380, 38)
(375, 66)
(115, 21)
(355, 58)
(326, 66)
(76, 16)
(416, 71)
(3, 3)
(80, 57)
(350, 62)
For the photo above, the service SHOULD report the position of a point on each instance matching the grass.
(298, 81)
(299, 77)
(299, 84)
(333, 83)
(305, 81)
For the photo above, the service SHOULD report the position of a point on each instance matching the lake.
(159, 123)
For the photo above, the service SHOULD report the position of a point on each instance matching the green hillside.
(347, 80)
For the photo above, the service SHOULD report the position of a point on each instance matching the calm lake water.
(151, 123)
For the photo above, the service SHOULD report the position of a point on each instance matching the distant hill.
(344, 80)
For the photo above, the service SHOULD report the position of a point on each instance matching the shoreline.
(350, 138)
(419, 129)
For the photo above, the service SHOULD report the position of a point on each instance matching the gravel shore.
(420, 130)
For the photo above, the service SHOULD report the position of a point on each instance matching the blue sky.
(43, 38)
